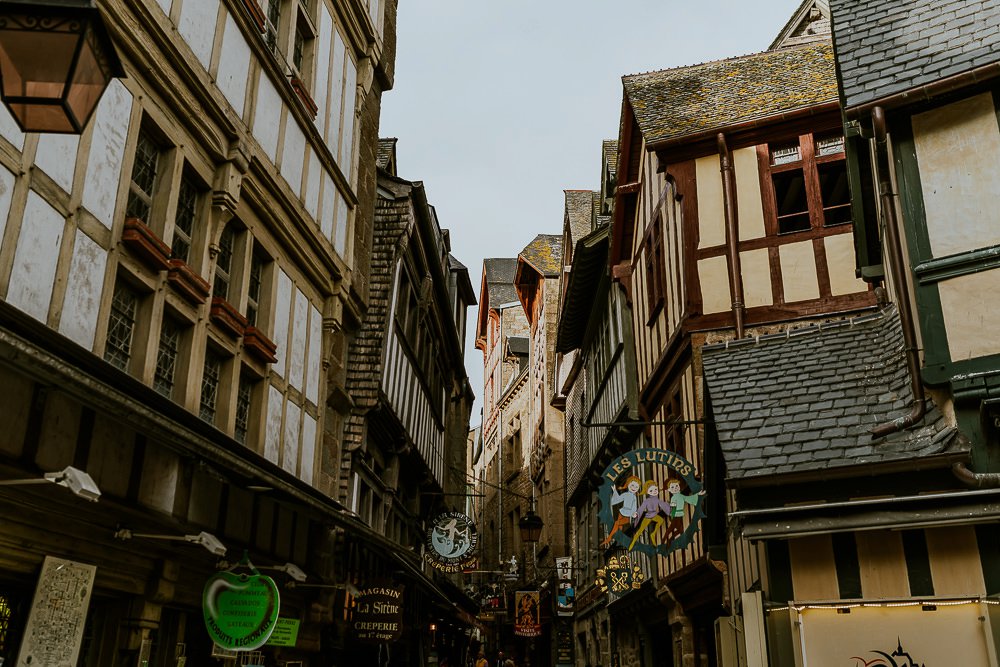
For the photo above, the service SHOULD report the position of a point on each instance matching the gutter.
(732, 232)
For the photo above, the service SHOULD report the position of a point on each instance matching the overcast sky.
(500, 106)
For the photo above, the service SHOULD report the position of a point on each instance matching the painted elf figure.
(675, 509)
(630, 503)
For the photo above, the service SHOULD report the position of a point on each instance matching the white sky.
(501, 106)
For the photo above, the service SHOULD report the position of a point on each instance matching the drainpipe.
(732, 232)
(976, 480)
(896, 264)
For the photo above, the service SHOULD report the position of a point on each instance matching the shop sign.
(565, 596)
(619, 576)
(564, 646)
(286, 632)
(451, 542)
(378, 614)
(564, 568)
(58, 614)
(240, 610)
(651, 502)
(894, 634)
(527, 615)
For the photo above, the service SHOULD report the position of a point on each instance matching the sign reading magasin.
(451, 542)
(378, 614)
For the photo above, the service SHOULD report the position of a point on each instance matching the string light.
(887, 604)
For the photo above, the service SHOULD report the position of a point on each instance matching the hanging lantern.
(56, 59)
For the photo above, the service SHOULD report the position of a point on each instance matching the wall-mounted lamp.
(77, 481)
(294, 572)
(56, 60)
(207, 540)
(530, 525)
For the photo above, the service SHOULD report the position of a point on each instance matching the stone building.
(179, 287)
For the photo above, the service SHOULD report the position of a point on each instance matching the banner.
(527, 614)
(651, 502)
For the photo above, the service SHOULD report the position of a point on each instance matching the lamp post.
(530, 525)
(56, 59)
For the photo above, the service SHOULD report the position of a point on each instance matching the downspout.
(975, 480)
(732, 232)
(896, 264)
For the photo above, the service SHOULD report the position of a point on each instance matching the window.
(224, 263)
(143, 181)
(243, 399)
(210, 378)
(166, 356)
(273, 11)
(655, 266)
(809, 182)
(187, 207)
(118, 347)
(257, 263)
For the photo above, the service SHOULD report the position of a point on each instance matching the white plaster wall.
(297, 353)
(165, 5)
(290, 453)
(756, 270)
(798, 271)
(328, 211)
(311, 199)
(83, 291)
(340, 231)
(308, 455)
(347, 138)
(35, 258)
(332, 135)
(714, 277)
(748, 198)
(234, 66)
(159, 476)
(293, 154)
(197, 26)
(267, 117)
(957, 147)
(840, 260)
(282, 308)
(107, 151)
(323, 55)
(711, 217)
(56, 156)
(971, 323)
(314, 370)
(6, 192)
(272, 428)
(9, 129)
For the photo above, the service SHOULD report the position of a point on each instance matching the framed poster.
(527, 615)
(58, 614)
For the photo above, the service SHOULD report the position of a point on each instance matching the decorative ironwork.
(118, 347)
(166, 357)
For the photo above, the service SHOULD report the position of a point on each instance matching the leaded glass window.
(224, 263)
(243, 397)
(5, 615)
(253, 287)
(187, 205)
(271, 27)
(166, 356)
(118, 347)
(210, 385)
(140, 192)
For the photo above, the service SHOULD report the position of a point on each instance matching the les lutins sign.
(240, 610)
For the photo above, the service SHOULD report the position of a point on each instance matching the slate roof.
(802, 27)
(579, 213)
(544, 254)
(686, 101)
(609, 147)
(500, 280)
(386, 152)
(884, 48)
(518, 345)
(806, 401)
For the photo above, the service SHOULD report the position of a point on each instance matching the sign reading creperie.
(378, 614)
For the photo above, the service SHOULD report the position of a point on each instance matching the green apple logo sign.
(240, 610)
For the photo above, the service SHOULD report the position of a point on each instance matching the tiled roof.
(579, 213)
(500, 280)
(803, 25)
(609, 147)
(884, 48)
(544, 254)
(807, 401)
(686, 101)
(386, 152)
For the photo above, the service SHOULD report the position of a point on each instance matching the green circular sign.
(240, 610)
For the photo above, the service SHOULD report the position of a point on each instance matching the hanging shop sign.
(621, 575)
(58, 614)
(565, 595)
(651, 502)
(286, 632)
(527, 614)
(451, 542)
(564, 645)
(564, 568)
(240, 610)
(378, 614)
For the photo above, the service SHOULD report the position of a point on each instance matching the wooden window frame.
(654, 264)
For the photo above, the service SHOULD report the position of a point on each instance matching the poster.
(58, 614)
(651, 502)
(451, 542)
(527, 614)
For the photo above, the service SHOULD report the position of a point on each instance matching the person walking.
(481, 658)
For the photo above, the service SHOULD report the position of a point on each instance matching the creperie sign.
(378, 614)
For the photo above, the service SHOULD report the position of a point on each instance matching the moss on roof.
(544, 254)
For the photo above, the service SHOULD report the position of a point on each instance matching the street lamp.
(77, 481)
(210, 542)
(56, 59)
(530, 525)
